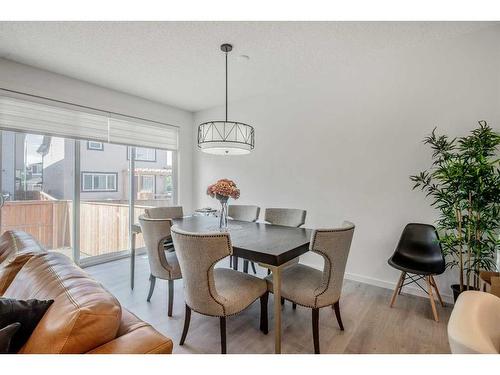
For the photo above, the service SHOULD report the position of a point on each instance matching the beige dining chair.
(288, 217)
(174, 212)
(243, 213)
(312, 288)
(163, 265)
(218, 292)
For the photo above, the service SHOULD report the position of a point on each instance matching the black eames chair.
(419, 256)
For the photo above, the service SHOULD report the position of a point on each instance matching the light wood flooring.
(370, 325)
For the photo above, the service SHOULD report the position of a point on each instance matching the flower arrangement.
(223, 189)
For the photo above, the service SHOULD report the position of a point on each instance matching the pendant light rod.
(226, 47)
(226, 86)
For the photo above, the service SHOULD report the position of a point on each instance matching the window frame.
(93, 174)
(93, 148)
(153, 183)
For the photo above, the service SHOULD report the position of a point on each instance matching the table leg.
(132, 262)
(277, 308)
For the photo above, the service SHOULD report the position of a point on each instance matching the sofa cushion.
(27, 313)
(83, 316)
(15, 241)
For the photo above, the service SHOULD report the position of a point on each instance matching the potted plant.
(223, 190)
(464, 184)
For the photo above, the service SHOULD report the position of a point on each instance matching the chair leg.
(396, 290)
(187, 319)
(253, 267)
(294, 305)
(152, 282)
(263, 313)
(230, 261)
(223, 335)
(315, 327)
(245, 266)
(336, 307)
(170, 296)
(282, 301)
(402, 283)
(268, 271)
(431, 299)
(437, 291)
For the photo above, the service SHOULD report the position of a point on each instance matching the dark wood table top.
(258, 242)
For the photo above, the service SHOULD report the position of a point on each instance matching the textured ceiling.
(179, 63)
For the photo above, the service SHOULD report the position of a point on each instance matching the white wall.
(19, 77)
(344, 148)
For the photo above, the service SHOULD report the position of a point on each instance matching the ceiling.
(180, 63)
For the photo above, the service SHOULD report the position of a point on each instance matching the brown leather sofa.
(84, 318)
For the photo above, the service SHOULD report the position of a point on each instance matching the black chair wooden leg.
(245, 266)
(230, 261)
(223, 335)
(187, 319)
(253, 267)
(294, 306)
(402, 282)
(282, 301)
(152, 282)
(263, 313)
(268, 271)
(336, 307)
(170, 296)
(235, 263)
(315, 327)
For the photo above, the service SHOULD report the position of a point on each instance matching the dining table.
(271, 246)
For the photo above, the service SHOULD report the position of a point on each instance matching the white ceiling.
(179, 63)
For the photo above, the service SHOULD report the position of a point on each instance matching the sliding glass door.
(104, 202)
(76, 179)
(37, 188)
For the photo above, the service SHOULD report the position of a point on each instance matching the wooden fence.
(104, 227)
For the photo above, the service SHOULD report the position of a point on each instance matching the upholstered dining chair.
(173, 212)
(244, 213)
(288, 217)
(163, 265)
(309, 287)
(219, 292)
(418, 255)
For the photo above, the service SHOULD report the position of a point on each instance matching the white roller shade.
(142, 133)
(39, 118)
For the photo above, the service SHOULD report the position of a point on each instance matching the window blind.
(40, 118)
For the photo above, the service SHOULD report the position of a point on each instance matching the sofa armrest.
(143, 340)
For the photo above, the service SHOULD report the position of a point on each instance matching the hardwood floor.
(371, 326)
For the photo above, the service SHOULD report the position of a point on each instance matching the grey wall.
(346, 151)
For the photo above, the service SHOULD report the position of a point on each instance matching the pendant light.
(226, 137)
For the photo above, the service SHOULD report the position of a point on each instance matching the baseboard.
(447, 298)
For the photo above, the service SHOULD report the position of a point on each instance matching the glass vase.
(223, 213)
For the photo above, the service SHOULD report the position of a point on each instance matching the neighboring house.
(104, 171)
